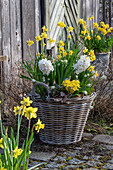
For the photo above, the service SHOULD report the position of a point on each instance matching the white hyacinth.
(82, 64)
(45, 66)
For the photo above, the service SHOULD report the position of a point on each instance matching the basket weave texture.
(64, 123)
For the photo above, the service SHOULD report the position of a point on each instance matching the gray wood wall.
(22, 19)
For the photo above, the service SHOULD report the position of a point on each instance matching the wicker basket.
(64, 123)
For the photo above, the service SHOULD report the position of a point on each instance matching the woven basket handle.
(43, 84)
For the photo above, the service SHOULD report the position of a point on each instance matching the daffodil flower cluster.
(97, 38)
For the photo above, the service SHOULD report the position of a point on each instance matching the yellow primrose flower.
(59, 56)
(38, 54)
(17, 152)
(38, 38)
(43, 44)
(70, 29)
(2, 168)
(1, 143)
(69, 36)
(70, 52)
(44, 29)
(81, 21)
(30, 42)
(31, 112)
(51, 41)
(44, 35)
(98, 37)
(85, 50)
(92, 17)
(91, 68)
(61, 43)
(89, 18)
(64, 53)
(26, 101)
(95, 25)
(39, 125)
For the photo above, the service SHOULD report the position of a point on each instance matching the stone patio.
(91, 153)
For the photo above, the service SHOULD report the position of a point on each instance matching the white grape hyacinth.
(45, 66)
(82, 64)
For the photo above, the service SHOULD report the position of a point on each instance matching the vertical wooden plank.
(28, 26)
(104, 11)
(110, 7)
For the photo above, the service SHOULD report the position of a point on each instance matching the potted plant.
(63, 88)
(97, 41)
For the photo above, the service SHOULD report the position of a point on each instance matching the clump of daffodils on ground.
(97, 39)
(67, 74)
(14, 157)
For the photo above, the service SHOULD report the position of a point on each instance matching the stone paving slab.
(104, 139)
(42, 156)
(93, 153)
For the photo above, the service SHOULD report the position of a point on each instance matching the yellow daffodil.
(81, 21)
(44, 29)
(81, 36)
(0, 101)
(91, 68)
(38, 54)
(59, 56)
(102, 24)
(39, 126)
(19, 110)
(91, 31)
(92, 17)
(88, 37)
(92, 58)
(43, 55)
(85, 50)
(1, 143)
(96, 74)
(70, 29)
(43, 44)
(30, 42)
(64, 53)
(70, 52)
(44, 35)
(84, 27)
(89, 18)
(99, 29)
(69, 36)
(61, 24)
(95, 25)
(107, 26)
(26, 101)
(84, 22)
(61, 43)
(98, 37)
(31, 112)
(38, 38)
(51, 41)
(91, 53)
(17, 152)
(109, 30)
(2, 168)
